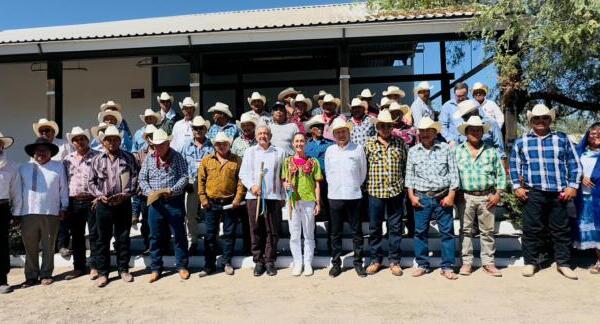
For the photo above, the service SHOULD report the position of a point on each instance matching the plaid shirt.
(547, 163)
(431, 170)
(240, 145)
(385, 175)
(229, 129)
(173, 177)
(482, 173)
(362, 131)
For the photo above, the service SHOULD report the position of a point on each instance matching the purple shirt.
(78, 171)
(108, 178)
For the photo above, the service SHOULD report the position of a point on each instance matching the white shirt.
(345, 170)
(283, 136)
(264, 117)
(182, 132)
(250, 171)
(49, 194)
(10, 184)
(492, 111)
(64, 148)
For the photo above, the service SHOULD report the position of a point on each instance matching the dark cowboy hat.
(30, 149)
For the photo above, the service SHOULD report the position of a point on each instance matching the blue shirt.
(173, 177)
(419, 110)
(139, 143)
(547, 163)
(193, 155)
(449, 123)
(316, 149)
(229, 129)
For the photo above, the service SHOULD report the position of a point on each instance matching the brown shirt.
(220, 181)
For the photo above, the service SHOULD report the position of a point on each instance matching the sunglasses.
(46, 130)
(197, 129)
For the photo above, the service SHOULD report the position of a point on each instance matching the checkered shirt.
(482, 173)
(431, 170)
(385, 175)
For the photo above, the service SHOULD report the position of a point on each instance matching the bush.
(15, 242)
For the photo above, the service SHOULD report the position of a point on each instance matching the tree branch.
(562, 99)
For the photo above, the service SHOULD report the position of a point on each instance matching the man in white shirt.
(169, 114)
(489, 107)
(257, 104)
(45, 194)
(264, 228)
(10, 202)
(346, 171)
(182, 131)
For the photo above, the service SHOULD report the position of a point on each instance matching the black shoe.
(259, 269)
(335, 271)
(360, 270)
(271, 270)
(206, 271)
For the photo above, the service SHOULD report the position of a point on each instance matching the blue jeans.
(394, 206)
(432, 210)
(212, 217)
(171, 211)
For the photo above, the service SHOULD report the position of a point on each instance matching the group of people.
(304, 159)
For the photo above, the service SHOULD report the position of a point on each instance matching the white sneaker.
(297, 270)
(528, 270)
(308, 271)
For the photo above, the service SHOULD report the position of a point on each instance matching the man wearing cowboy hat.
(193, 152)
(302, 107)
(78, 165)
(282, 130)
(219, 185)
(432, 180)
(48, 129)
(318, 99)
(164, 177)
(113, 117)
(363, 126)
(367, 96)
(150, 117)
(482, 180)
(123, 126)
(222, 118)
(257, 103)
(345, 194)
(394, 93)
(421, 106)
(182, 130)
(493, 137)
(545, 172)
(315, 148)
(286, 96)
(168, 112)
(45, 200)
(331, 107)
(447, 117)
(386, 157)
(113, 180)
(403, 123)
(10, 202)
(489, 107)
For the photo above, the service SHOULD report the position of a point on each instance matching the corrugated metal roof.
(334, 14)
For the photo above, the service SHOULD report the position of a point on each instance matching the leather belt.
(435, 194)
(83, 198)
(220, 201)
(485, 192)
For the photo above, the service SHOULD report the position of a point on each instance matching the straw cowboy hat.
(385, 102)
(247, 119)
(287, 92)
(198, 121)
(110, 131)
(427, 122)
(331, 99)
(313, 121)
(6, 140)
(115, 114)
(30, 148)
(392, 90)
(96, 130)
(366, 94)
(188, 102)
(474, 121)
(149, 130)
(357, 102)
(78, 131)
(384, 116)
(257, 96)
(339, 123)
(465, 107)
(159, 136)
(541, 110)
(111, 104)
(151, 113)
(221, 107)
(480, 86)
(165, 97)
(405, 109)
(222, 138)
(301, 98)
(423, 86)
(42, 123)
(320, 95)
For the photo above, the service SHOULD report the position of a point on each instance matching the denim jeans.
(172, 212)
(80, 213)
(378, 208)
(212, 218)
(432, 210)
(113, 221)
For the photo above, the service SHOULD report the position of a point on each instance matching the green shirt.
(483, 172)
(304, 183)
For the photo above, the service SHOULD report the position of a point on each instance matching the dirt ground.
(545, 298)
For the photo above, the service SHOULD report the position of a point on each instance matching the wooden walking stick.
(260, 185)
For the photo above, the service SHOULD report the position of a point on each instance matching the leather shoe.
(492, 270)
(360, 270)
(102, 281)
(94, 274)
(126, 277)
(74, 274)
(373, 268)
(417, 272)
(154, 276)
(271, 270)
(567, 272)
(259, 269)
(335, 271)
(396, 269)
(184, 274)
(228, 268)
(206, 271)
(465, 270)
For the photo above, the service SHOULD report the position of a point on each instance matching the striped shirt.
(172, 176)
(385, 175)
(483, 172)
(78, 171)
(431, 170)
(108, 178)
(547, 163)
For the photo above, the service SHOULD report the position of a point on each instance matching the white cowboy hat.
(427, 122)
(78, 131)
(96, 130)
(320, 95)
(221, 137)
(465, 107)
(366, 93)
(149, 129)
(541, 110)
(165, 97)
(300, 98)
(391, 90)
(115, 114)
(221, 107)
(385, 102)
(151, 113)
(480, 86)
(198, 121)
(384, 116)
(314, 120)
(474, 121)
(357, 102)
(405, 109)
(111, 130)
(188, 102)
(257, 96)
(6, 140)
(246, 118)
(286, 92)
(331, 99)
(111, 104)
(159, 136)
(44, 122)
(423, 85)
(340, 123)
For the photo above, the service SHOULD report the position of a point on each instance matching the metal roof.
(306, 16)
